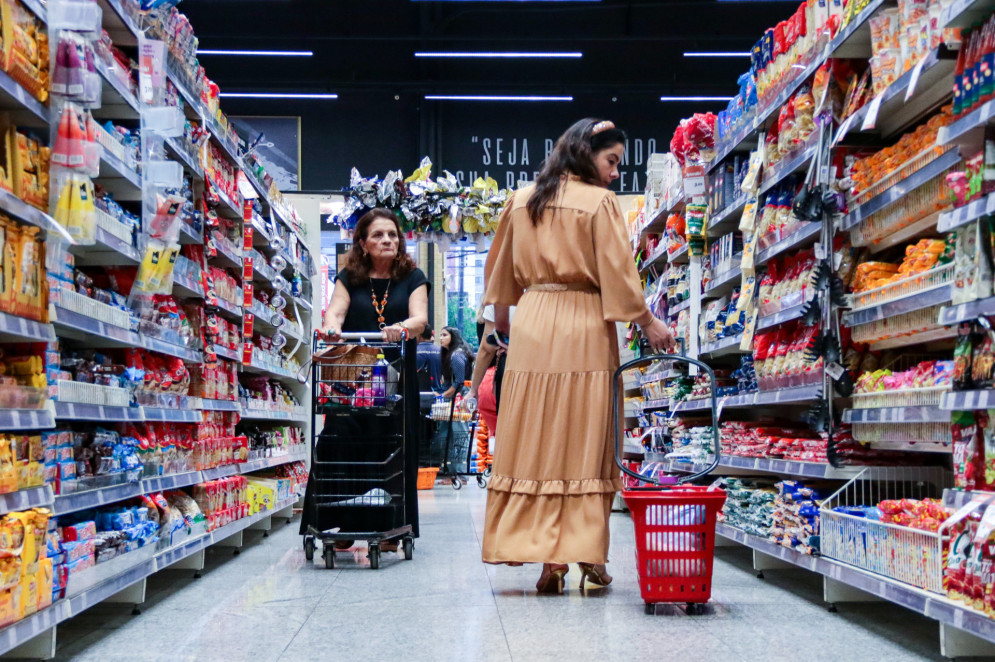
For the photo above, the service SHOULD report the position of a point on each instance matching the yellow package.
(29, 550)
(29, 595)
(11, 257)
(45, 581)
(8, 605)
(10, 572)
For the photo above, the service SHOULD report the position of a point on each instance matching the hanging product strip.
(856, 356)
(152, 315)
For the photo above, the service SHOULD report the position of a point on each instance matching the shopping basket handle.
(617, 395)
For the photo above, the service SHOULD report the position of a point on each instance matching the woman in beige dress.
(562, 256)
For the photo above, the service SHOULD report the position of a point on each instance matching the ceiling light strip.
(479, 97)
(436, 54)
(268, 53)
(717, 54)
(695, 98)
(277, 95)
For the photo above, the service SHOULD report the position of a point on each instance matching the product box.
(46, 583)
(78, 532)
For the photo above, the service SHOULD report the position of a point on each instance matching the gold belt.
(561, 287)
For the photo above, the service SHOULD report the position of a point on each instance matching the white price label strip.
(842, 131)
(914, 80)
(871, 118)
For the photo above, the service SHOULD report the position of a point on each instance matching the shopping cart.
(675, 522)
(358, 475)
(459, 429)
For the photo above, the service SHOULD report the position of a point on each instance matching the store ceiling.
(631, 50)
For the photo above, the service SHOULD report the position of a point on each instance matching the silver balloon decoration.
(277, 320)
(277, 243)
(278, 302)
(279, 283)
(278, 262)
(279, 341)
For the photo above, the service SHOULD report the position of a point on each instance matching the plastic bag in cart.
(375, 497)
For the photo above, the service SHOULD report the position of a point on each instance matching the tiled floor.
(270, 604)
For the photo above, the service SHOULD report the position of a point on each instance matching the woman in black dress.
(380, 289)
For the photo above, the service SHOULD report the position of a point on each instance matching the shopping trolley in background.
(675, 522)
(358, 460)
(458, 427)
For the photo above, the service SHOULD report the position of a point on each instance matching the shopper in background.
(380, 289)
(562, 256)
(485, 383)
(457, 361)
(429, 362)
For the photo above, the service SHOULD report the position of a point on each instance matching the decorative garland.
(439, 210)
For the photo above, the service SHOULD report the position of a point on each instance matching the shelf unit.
(80, 322)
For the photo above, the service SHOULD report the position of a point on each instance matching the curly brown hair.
(358, 262)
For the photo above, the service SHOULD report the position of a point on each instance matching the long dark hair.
(359, 264)
(573, 154)
(456, 344)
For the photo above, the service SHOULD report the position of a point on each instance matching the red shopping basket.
(675, 524)
(675, 542)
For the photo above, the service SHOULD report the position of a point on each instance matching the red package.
(966, 455)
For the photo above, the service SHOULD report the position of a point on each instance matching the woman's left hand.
(395, 333)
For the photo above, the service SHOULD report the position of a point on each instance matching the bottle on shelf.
(380, 381)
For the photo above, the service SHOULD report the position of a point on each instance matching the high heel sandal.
(551, 580)
(596, 574)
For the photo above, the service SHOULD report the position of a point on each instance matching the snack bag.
(965, 433)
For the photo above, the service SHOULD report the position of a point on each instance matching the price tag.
(871, 118)
(247, 325)
(842, 131)
(820, 251)
(914, 79)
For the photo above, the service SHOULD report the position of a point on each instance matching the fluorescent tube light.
(470, 97)
(695, 98)
(503, 55)
(716, 54)
(277, 95)
(271, 53)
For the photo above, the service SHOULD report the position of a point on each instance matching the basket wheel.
(329, 554)
(409, 548)
(650, 608)
(481, 482)
(695, 609)
(374, 556)
(309, 548)
(457, 483)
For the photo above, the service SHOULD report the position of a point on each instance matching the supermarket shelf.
(186, 159)
(907, 304)
(677, 308)
(34, 497)
(70, 503)
(226, 256)
(777, 174)
(768, 465)
(728, 216)
(75, 411)
(895, 113)
(82, 327)
(260, 414)
(965, 13)
(931, 605)
(656, 222)
(680, 256)
(37, 8)
(965, 312)
(190, 235)
(895, 193)
(794, 395)
(187, 287)
(225, 353)
(108, 250)
(117, 101)
(25, 213)
(131, 187)
(723, 283)
(26, 419)
(207, 404)
(956, 218)
(924, 226)
(851, 41)
(228, 205)
(918, 338)
(228, 307)
(957, 498)
(260, 368)
(23, 107)
(28, 628)
(21, 329)
(170, 349)
(804, 235)
(968, 400)
(924, 414)
(118, 24)
(787, 315)
(164, 415)
(658, 257)
(968, 131)
(722, 347)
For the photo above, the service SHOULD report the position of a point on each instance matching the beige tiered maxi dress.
(554, 476)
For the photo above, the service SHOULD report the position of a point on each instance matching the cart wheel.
(487, 472)
(329, 554)
(309, 548)
(650, 608)
(409, 548)
(374, 556)
(481, 482)
(457, 483)
(694, 609)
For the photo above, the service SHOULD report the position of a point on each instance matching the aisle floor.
(268, 604)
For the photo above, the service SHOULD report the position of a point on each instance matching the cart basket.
(674, 522)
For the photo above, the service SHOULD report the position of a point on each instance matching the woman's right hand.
(331, 334)
(660, 337)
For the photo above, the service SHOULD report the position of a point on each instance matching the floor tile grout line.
(497, 608)
(338, 574)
